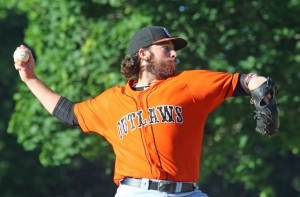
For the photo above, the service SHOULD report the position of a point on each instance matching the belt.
(160, 185)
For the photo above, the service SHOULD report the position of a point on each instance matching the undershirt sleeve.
(240, 89)
(64, 111)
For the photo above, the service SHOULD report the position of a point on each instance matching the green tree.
(21, 173)
(79, 46)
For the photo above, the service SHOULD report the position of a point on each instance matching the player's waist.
(160, 185)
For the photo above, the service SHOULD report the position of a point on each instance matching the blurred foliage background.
(79, 44)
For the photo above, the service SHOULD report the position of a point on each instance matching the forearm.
(255, 82)
(251, 81)
(247, 82)
(55, 104)
(44, 94)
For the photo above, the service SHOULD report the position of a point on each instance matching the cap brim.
(179, 43)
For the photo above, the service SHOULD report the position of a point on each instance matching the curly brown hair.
(130, 65)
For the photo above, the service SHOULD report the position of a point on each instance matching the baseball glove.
(266, 113)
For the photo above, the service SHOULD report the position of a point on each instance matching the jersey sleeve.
(211, 88)
(92, 114)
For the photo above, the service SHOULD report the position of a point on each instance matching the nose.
(173, 53)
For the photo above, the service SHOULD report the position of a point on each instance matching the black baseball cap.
(153, 35)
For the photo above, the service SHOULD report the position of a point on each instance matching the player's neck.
(146, 79)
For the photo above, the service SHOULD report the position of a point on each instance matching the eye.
(167, 48)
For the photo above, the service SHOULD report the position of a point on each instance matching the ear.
(144, 54)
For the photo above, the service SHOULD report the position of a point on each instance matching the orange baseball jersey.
(157, 133)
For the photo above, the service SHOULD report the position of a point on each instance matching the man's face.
(162, 60)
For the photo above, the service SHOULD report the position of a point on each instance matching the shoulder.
(114, 90)
(206, 78)
(108, 93)
(190, 74)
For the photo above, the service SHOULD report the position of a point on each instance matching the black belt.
(160, 185)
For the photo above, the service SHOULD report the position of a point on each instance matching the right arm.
(43, 93)
(55, 104)
(58, 106)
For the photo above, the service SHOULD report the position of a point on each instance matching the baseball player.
(155, 122)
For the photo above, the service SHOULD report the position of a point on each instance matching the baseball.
(22, 55)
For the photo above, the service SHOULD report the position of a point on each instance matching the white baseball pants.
(130, 191)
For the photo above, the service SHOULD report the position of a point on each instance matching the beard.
(163, 69)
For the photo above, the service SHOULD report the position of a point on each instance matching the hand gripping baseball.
(24, 62)
(266, 113)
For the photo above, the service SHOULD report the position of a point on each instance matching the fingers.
(22, 47)
(19, 65)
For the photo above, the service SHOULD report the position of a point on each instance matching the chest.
(157, 109)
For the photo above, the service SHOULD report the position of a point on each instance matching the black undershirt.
(140, 88)
(64, 111)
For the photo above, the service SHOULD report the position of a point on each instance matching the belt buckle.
(166, 186)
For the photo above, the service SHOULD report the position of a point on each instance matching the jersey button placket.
(147, 135)
(140, 97)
